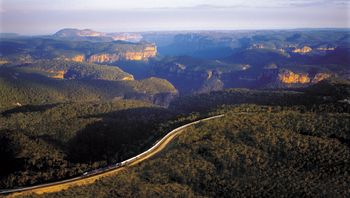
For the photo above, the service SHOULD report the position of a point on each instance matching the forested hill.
(251, 151)
(265, 148)
(333, 93)
(47, 82)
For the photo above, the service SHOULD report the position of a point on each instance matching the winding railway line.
(92, 176)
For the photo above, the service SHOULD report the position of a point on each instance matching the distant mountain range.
(71, 33)
(197, 62)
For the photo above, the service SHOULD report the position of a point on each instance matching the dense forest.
(50, 142)
(32, 84)
(252, 151)
(271, 134)
(326, 94)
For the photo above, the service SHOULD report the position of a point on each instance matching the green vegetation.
(254, 150)
(50, 142)
(327, 94)
(26, 85)
(59, 119)
(267, 152)
(74, 70)
(24, 50)
(190, 64)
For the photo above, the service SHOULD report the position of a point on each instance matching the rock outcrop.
(145, 54)
(3, 62)
(289, 77)
(77, 58)
(304, 50)
(104, 58)
(59, 74)
(142, 55)
(128, 78)
(134, 37)
(320, 76)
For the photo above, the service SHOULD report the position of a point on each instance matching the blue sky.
(48, 16)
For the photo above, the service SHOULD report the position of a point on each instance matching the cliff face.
(320, 76)
(304, 50)
(126, 37)
(148, 52)
(289, 77)
(3, 62)
(57, 74)
(128, 78)
(78, 58)
(143, 55)
(104, 58)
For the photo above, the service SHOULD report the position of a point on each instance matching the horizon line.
(187, 30)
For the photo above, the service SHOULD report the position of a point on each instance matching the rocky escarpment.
(78, 71)
(104, 58)
(76, 58)
(130, 55)
(290, 77)
(57, 74)
(303, 50)
(320, 76)
(273, 78)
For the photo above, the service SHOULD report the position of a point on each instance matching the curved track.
(92, 176)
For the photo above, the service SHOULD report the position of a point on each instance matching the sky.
(32, 17)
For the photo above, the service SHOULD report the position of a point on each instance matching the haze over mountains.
(209, 60)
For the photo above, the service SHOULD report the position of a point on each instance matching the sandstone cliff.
(134, 55)
(304, 50)
(59, 74)
(78, 58)
(126, 36)
(104, 58)
(128, 78)
(290, 77)
(3, 62)
(320, 76)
